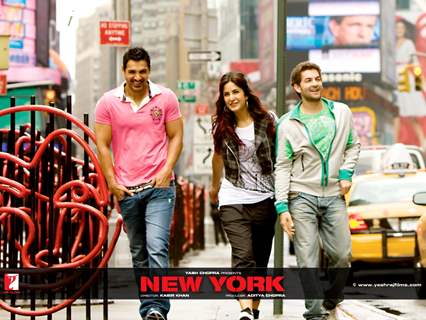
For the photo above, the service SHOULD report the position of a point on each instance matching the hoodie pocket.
(298, 166)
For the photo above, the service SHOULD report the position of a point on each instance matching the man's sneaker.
(154, 315)
(256, 314)
(246, 314)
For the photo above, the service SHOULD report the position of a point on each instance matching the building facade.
(94, 69)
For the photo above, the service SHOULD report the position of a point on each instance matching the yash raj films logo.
(212, 285)
(11, 282)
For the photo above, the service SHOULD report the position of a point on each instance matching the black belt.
(141, 187)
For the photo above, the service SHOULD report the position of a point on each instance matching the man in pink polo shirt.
(141, 122)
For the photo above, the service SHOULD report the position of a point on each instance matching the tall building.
(95, 69)
(249, 43)
(198, 33)
(155, 27)
(238, 30)
(229, 31)
(168, 30)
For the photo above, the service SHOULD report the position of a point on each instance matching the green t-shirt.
(321, 129)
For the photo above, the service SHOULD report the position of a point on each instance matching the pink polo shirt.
(139, 140)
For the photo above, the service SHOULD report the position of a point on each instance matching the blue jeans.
(147, 216)
(318, 219)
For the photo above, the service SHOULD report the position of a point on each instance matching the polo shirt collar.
(153, 88)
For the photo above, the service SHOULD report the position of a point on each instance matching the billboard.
(305, 33)
(343, 7)
(410, 52)
(18, 19)
(27, 21)
(336, 60)
(332, 33)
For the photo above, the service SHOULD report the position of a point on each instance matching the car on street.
(420, 250)
(371, 157)
(382, 216)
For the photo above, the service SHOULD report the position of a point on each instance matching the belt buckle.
(141, 187)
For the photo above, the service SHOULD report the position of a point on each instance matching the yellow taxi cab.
(371, 157)
(382, 216)
(420, 252)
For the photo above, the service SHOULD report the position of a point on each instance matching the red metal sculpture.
(38, 204)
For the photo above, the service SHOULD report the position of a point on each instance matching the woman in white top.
(411, 104)
(244, 141)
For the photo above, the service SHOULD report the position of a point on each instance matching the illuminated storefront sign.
(17, 19)
(347, 93)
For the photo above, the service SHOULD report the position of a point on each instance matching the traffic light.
(403, 80)
(418, 78)
(49, 96)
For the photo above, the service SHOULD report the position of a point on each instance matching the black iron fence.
(54, 215)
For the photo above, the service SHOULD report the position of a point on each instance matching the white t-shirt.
(256, 186)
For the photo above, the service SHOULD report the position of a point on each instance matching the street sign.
(3, 85)
(202, 127)
(114, 33)
(188, 90)
(202, 142)
(186, 85)
(188, 99)
(197, 56)
(202, 159)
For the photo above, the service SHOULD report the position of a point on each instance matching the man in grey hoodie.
(317, 150)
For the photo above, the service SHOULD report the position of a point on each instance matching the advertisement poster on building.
(410, 124)
(330, 37)
(365, 125)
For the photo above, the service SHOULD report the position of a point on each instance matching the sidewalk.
(213, 256)
(217, 256)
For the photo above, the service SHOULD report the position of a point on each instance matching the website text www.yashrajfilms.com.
(387, 285)
(206, 283)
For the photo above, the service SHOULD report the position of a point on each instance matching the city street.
(178, 113)
(219, 256)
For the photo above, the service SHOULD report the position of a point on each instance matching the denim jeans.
(318, 218)
(147, 216)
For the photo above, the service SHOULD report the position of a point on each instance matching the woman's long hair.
(224, 121)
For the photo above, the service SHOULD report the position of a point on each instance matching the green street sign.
(186, 85)
(189, 99)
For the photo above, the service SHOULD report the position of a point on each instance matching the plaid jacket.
(265, 151)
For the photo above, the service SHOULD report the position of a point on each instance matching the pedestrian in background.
(316, 155)
(411, 104)
(141, 122)
(244, 146)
